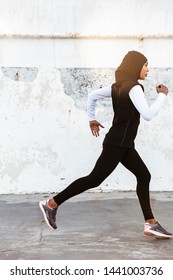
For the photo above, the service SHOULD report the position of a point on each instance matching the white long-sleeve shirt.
(137, 97)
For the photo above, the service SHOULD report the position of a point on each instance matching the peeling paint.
(20, 73)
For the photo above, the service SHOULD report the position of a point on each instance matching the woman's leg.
(106, 163)
(133, 162)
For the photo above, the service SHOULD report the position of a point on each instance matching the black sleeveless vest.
(126, 117)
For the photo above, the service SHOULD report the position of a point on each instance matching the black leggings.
(106, 163)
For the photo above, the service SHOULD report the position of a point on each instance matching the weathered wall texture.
(45, 141)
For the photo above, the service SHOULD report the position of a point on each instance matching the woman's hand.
(162, 88)
(95, 127)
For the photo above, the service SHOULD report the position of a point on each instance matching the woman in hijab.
(129, 103)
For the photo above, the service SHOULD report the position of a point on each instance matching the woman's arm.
(95, 95)
(138, 98)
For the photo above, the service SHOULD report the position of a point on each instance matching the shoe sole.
(44, 214)
(157, 234)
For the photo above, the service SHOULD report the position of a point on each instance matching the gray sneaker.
(49, 214)
(156, 230)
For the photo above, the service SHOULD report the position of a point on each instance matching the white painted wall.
(45, 142)
(131, 20)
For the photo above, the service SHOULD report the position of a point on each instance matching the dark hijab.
(130, 67)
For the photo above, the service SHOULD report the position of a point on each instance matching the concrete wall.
(80, 33)
(52, 53)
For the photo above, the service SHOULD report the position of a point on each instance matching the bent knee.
(144, 177)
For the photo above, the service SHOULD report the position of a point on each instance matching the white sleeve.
(95, 95)
(138, 98)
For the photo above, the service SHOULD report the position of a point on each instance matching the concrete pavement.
(92, 225)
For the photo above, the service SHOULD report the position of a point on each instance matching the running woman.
(129, 103)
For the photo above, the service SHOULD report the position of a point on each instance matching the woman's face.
(144, 71)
